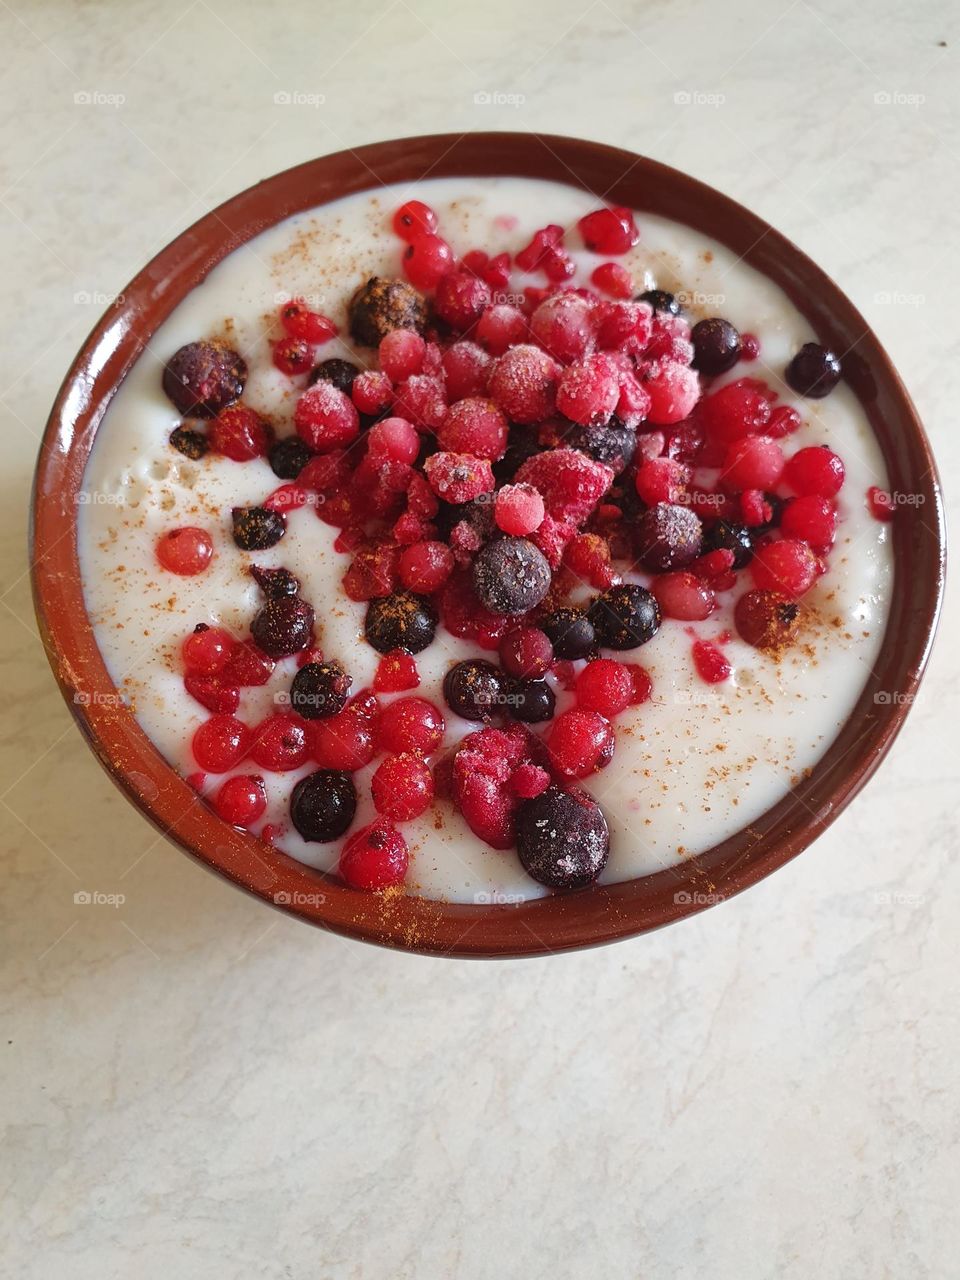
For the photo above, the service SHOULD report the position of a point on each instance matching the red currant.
(426, 566)
(788, 566)
(426, 259)
(280, 743)
(526, 653)
(580, 743)
(402, 787)
(401, 354)
(241, 800)
(815, 470)
(186, 551)
(325, 418)
(300, 322)
(220, 743)
(239, 433)
(811, 519)
(343, 741)
(293, 356)
(606, 686)
(414, 219)
(375, 858)
(410, 724)
(206, 650)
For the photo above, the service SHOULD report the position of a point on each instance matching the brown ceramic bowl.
(550, 924)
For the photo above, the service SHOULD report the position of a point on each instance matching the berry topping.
(185, 552)
(476, 427)
(280, 743)
(766, 619)
(255, 528)
(320, 690)
(206, 650)
(683, 596)
(722, 535)
(588, 391)
(609, 231)
(372, 391)
(814, 371)
(293, 356)
(475, 690)
(204, 377)
(812, 519)
(660, 300)
(661, 480)
(396, 672)
(570, 632)
(458, 477)
(625, 617)
(712, 667)
(288, 457)
(275, 582)
(668, 536)
(342, 373)
(571, 483)
(325, 418)
(401, 354)
(788, 566)
(241, 800)
(523, 383)
(425, 260)
(283, 626)
(565, 325)
(483, 766)
(531, 701)
(500, 327)
(736, 410)
(518, 509)
(192, 444)
(612, 444)
(402, 787)
(414, 219)
(673, 390)
(461, 299)
(613, 279)
(239, 433)
(716, 346)
(345, 741)
(376, 857)
(323, 804)
(580, 743)
(511, 576)
(752, 463)
(880, 503)
(465, 367)
(562, 838)
(605, 686)
(380, 306)
(400, 621)
(526, 653)
(220, 743)
(424, 567)
(213, 693)
(300, 322)
(815, 470)
(410, 724)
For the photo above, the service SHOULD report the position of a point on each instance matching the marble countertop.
(195, 1086)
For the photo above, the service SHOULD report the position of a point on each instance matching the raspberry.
(735, 411)
(754, 462)
(300, 322)
(483, 767)
(206, 650)
(424, 567)
(464, 615)
(500, 327)
(552, 537)
(609, 231)
(293, 356)
(812, 519)
(588, 391)
(661, 480)
(588, 556)
(613, 279)
(247, 666)
(239, 433)
(523, 382)
(518, 509)
(410, 724)
(211, 692)
(783, 422)
(421, 400)
(425, 260)
(373, 571)
(670, 339)
(458, 477)
(815, 470)
(414, 219)
(185, 552)
(710, 663)
(788, 566)
(280, 743)
(241, 800)
(880, 503)
(526, 653)
(344, 741)
(465, 366)
(634, 401)
(325, 418)
(401, 354)
(565, 326)
(396, 672)
(625, 326)
(528, 781)
(376, 857)
(605, 686)
(684, 596)
(580, 743)
(474, 426)
(674, 390)
(372, 391)
(220, 743)
(461, 299)
(402, 787)
(571, 483)
(766, 619)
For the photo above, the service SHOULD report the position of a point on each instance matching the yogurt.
(692, 766)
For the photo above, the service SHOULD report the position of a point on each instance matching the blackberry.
(475, 690)
(192, 444)
(204, 377)
(283, 626)
(667, 536)
(340, 372)
(511, 576)
(570, 632)
(323, 805)
(319, 690)
(625, 617)
(531, 701)
(288, 457)
(723, 535)
(660, 300)
(716, 346)
(256, 528)
(400, 621)
(562, 838)
(814, 371)
(379, 306)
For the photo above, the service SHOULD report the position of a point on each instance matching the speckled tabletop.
(196, 1086)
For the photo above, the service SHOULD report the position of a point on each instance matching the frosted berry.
(511, 575)
(580, 743)
(523, 383)
(465, 368)
(461, 299)
(375, 858)
(393, 438)
(815, 470)
(501, 327)
(565, 325)
(323, 805)
(788, 566)
(410, 724)
(421, 400)
(674, 390)
(325, 418)
(220, 743)
(814, 371)
(518, 509)
(185, 552)
(667, 536)
(562, 838)
(474, 426)
(202, 378)
(401, 354)
(458, 477)
(425, 566)
(661, 480)
(588, 391)
(402, 787)
(241, 800)
(426, 259)
(372, 392)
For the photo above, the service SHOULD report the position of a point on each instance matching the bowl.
(545, 925)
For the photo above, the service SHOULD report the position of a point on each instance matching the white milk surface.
(693, 766)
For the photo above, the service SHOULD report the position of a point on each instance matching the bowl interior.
(602, 913)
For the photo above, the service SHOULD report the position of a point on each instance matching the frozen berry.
(605, 686)
(372, 392)
(571, 632)
(716, 346)
(240, 434)
(458, 477)
(511, 576)
(683, 596)
(625, 617)
(186, 551)
(661, 480)
(376, 857)
(518, 509)
(325, 418)
(752, 463)
(580, 743)
(280, 743)
(426, 259)
(475, 690)
(400, 621)
(814, 371)
(612, 279)
(739, 409)
(255, 528)
(526, 653)
(816, 469)
(611, 443)
(766, 619)
(380, 306)
(421, 399)
(667, 536)
(788, 566)
(393, 438)
(722, 535)
(402, 787)
(323, 804)
(500, 327)
(474, 426)
(523, 383)
(220, 743)
(562, 838)
(674, 390)
(192, 444)
(609, 231)
(401, 354)
(204, 377)
(812, 519)
(414, 218)
(565, 325)
(588, 391)
(283, 626)
(301, 322)
(531, 701)
(465, 367)
(460, 299)
(241, 800)
(660, 300)
(342, 373)
(288, 457)
(571, 483)
(410, 724)
(320, 690)
(425, 566)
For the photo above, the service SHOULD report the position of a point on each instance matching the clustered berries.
(492, 472)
